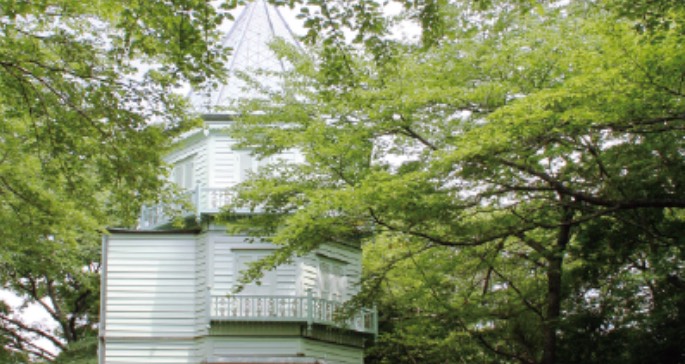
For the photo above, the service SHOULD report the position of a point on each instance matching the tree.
(524, 164)
(86, 110)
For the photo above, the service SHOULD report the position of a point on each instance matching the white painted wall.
(154, 301)
(254, 346)
(225, 270)
(291, 279)
(155, 297)
(217, 162)
(332, 353)
(141, 351)
(224, 163)
(275, 347)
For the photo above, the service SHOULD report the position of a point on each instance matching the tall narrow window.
(332, 279)
(184, 173)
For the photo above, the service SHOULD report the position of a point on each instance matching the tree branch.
(627, 126)
(525, 301)
(60, 316)
(593, 200)
(406, 130)
(37, 331)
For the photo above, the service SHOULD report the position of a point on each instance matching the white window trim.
(183, 173)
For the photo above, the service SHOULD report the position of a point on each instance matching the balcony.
(205, 200)
(302, 309)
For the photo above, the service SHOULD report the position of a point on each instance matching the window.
(332, 279)
(183, 173)
(267, 285)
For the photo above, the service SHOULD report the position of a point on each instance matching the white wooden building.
(166, 294)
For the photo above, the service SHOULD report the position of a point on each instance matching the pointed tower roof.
(248, 39)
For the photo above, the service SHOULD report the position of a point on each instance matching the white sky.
(33, 314)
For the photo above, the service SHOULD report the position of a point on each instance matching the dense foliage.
(86, 111)
(517, 178)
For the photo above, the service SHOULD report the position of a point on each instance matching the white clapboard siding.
(223, 265)
(229, 166)
(153, 286)
(201, 286)
(246, 162)
(225, 271)
(224, 163)
(154, 352)
(254, 346)
(309, 273)
(286, 283)
(332, 353)
(227, 347)
(216, 162)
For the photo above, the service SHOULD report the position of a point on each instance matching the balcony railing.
(204, 200)
(305, 309)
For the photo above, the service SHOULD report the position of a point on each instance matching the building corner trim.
(103, 299)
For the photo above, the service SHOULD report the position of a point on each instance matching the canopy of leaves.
(516, 179)
(86, 110)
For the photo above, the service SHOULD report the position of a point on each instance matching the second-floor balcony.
(204, 200)
(303, 309)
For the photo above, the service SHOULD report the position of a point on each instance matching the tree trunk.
(553, 310)
(554, 270)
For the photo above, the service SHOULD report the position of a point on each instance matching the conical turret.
(249, 41)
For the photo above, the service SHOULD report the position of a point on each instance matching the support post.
(310, 310)
(198, 199)
(208, 296)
